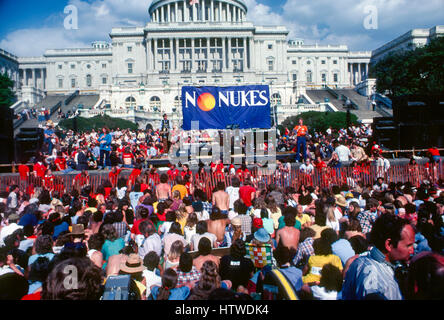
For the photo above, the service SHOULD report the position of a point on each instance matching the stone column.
(366, 71)
(193, 60)
(169, 13)
(360, 73)
(148, 55)
(229, 55)
(33, 78)
(208, 55)
(224, 54)
(155, 55)
(176, 54)
(42, 72)
(222, 16)
(245, 66)
(252, 54)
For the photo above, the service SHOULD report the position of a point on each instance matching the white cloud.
(95, 21)
(321, 21)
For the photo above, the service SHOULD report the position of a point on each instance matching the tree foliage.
(96, 123)
(7, 96)
(418, 71)
(319, 121)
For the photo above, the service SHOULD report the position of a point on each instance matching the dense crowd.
(377, 241)
(103, 149)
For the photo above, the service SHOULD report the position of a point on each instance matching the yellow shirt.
(304, 219)
(182, 189)
(315, 265)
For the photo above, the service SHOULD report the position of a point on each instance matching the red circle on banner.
(206, 102)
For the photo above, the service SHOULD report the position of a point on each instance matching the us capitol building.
(208, 43)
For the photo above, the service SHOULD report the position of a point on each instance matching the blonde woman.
(332, 222)
(274, 211)
(182, 216)
(173, 257)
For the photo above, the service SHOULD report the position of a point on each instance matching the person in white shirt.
(306, 167)
(151, 262)
(233, 192)
(343, 152)
(151, 242)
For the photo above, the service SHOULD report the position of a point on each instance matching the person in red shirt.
(49, 180)
(247, 193)
(60, 162)
(81, 179)
(186, 171)
(173, 172)
(128, 158)
(39, 169)
(24, 172)
(135, 173)
(114, 175)
(320, 163)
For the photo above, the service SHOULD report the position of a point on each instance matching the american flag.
(193, 2)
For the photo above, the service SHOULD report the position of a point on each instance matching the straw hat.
(340, 200)
(77, 230)
(236, 222)
(133, 264)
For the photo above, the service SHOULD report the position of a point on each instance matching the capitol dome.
(170, 11)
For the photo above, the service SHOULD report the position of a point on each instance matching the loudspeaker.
(28, 143)
(6, 135)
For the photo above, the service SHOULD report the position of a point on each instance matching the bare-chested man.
(217, 224)
(163, 189)
(289, 235)
(221, 199)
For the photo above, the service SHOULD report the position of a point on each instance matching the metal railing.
(327, 177)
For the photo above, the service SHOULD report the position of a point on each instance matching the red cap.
(257, 223)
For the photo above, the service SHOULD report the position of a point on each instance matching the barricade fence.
(295, 178)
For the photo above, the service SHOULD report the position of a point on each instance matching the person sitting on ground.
(168, 289)
(235, 267)
(289, 235)
(330, 284)
(187, 274)
(217, 224)
(209, 281)
(204, 254)
(202, 231)
(323, 255)
(151, 262)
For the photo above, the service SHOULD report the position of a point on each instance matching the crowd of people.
(377, 241)
(176, 239)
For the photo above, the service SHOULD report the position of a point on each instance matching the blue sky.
(29, 27)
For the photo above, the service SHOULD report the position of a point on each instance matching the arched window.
(309, 76)
(130, 102)
(155, 103)
(276, 99)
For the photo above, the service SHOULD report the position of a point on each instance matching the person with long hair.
(190, 226)
(173, 257)
(168, 289)
(209, 281)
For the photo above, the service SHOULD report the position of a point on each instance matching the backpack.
(119, 288)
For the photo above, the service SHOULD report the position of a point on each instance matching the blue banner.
(243, 107)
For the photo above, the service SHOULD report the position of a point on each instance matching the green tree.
(319, 121)
(7, 96)
(418, 71)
